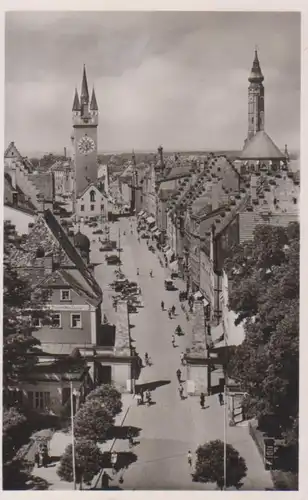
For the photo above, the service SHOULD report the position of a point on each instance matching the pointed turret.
(93, 105)
(256, 73)
(84, 96)
(76, 103)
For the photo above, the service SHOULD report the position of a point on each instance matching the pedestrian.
(137, 271)
(189, 458)
(113, 459)
(169, 314)
(142, 396)
(173, 310)
(105, 481)
(221, 399)
(146, 359)
(182, 355)
(178, 374)
(162, 305)
(181, 391)
(151, 273)
(202, 400)
(173, 340)
(37, 458)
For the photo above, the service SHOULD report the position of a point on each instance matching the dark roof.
(93, 104)
(84, 86)
(97, 184)
(81, 241)
(76, 103)
(256, 73)
(48, 234)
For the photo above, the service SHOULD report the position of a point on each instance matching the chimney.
(161, 156)
(253, 187)
(64, 152)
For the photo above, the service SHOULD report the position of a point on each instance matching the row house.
(51, 260)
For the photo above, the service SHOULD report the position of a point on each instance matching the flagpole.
(73, 437)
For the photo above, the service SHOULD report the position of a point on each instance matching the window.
(92, 208)
(92, 196)
(65, 295)
(76, 321)
(56, 320)
(81, 208)
(39, 400)
(102, 207)
(37, 322)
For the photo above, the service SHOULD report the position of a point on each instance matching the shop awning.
(174, 265)
(154, 228)
(150, 220)
(198, 295)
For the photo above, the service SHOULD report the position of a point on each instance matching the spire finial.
(93, 105)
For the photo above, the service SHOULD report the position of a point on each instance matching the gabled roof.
(261, 147)
(44, 182)
(49, 235)
(12, 152)
(96, 184)
(84, 86)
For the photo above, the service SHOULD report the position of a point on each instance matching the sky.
(179, 79)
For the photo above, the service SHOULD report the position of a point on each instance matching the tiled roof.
(44, 182)
(261, 147)
(178, 172)
(97, 184)
(23, 203)
(49, 235)
(249, 220)
(197, 343)
(122, 342)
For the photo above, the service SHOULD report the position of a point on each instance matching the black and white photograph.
(151, 250)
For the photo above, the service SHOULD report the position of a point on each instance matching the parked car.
(113, 259)
(98, 231)
(169, 285)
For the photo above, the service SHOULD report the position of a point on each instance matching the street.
(170, 427)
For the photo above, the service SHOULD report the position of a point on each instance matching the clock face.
(86, 145)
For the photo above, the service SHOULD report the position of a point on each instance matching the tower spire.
(76, 103)
(93, 105)
(256, 73)
(84, 87)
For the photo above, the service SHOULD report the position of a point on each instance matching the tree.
(12, 432)
(92, 421)
(265, 294)
(20, 347)
(109, 397)
(210, 465)
(88, 462)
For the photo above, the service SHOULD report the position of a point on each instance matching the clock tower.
(84, 137)
(255, 99)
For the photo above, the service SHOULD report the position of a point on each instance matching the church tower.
(255, 99)
(84, 137)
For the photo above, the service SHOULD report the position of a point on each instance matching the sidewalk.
(60, 441)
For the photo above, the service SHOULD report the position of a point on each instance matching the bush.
(92, 421)
(108, 396)
(210, 465)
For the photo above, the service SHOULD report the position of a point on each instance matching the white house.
(92, 202)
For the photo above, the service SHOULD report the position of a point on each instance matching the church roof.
(256, 73)
(12, 151)
(261, 147)
(93, 104)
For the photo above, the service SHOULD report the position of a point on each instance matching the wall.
(207, 278)
(121, 375)
(53, 387)
(196, 379)
(19, 219)
(85, 165)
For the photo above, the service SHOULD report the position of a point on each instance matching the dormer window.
(65, 295)
(92, 196)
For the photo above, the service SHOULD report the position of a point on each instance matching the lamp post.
(73, 438)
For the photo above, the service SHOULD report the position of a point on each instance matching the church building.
(84, 139)
(259, 151)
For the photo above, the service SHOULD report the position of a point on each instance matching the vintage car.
(169, 285)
